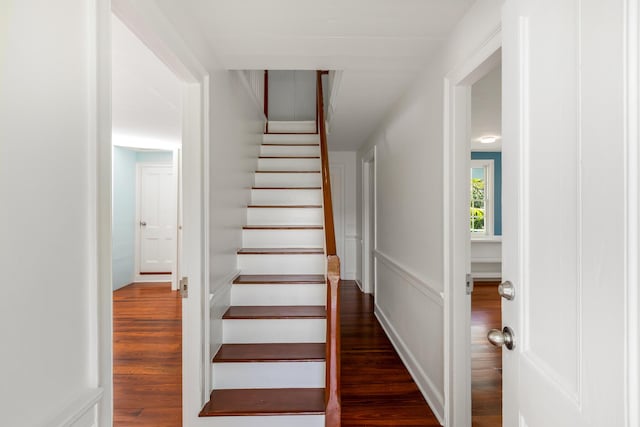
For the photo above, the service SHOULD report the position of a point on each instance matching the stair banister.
(332, 393)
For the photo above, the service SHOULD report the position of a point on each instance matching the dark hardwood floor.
(147, 356)
(377, 389)
(486, 360)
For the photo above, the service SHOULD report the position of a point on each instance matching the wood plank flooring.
(147, 356)
(486, 360)
(377, 389)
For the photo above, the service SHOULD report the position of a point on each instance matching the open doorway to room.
(369, 223)
(147, 309)
(485, 227)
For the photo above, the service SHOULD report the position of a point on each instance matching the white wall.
(342, 165)
(409, 203)
(292, 95)
(48, 361)
(236, 126)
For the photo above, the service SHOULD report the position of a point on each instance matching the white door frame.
(457, 304)
(149, 24)
(368, 216)
(138, 238)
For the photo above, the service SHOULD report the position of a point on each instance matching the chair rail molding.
(412, 278)
(77, 413)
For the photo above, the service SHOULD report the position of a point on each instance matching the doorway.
(146, 307)
(156, 242)
(369, 223)
(458, 223)
(485, 259)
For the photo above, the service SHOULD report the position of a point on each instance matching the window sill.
(483, 238)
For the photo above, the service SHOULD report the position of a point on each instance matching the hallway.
(377, 389)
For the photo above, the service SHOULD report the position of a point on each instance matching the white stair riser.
(303, 126)
(284, 216)
(291, 139)
(286, 197)
(292, 150)
(256, 331)
(288, 180)
(297, 294)
(289, 164)
(281, 264)
(283, 238)
(268, 375)
(264, 421)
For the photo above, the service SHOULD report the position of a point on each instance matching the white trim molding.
(632, 249)
(78, 412)
(412, 278)
(222, 287)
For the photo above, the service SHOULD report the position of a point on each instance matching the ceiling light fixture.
(488, 139)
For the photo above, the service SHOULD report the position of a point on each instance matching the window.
(481, 189)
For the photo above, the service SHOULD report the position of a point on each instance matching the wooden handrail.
(266, 100)
(333, 409)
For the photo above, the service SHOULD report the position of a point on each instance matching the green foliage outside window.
(477, 205)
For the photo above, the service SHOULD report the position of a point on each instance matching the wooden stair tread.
(291, 133)
(272, 144)
(280, 251)
(279, 279)
(286, 206)
(289, 352)
(289, 157)
(282, 401)
(282, 227)
(286, 188)
(287, 171)
(275, 312)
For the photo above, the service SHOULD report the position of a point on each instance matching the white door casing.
(564, 213)
(368, 222)
(336, 172)
(157, 211)
(456, 233)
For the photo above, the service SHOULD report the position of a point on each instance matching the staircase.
(270, 371)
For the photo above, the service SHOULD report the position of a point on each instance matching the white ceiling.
(145, 94)
(380, 44)
(486, 110)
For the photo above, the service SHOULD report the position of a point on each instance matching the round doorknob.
(507, 290)
(504, 337)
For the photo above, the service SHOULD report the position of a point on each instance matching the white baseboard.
(151, 278)
(430, 392)
(359, 285)
(80, 412)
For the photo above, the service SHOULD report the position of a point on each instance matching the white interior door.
(564, 213)
(157, 218)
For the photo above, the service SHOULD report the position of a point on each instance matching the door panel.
(157, 212)
(563, 163)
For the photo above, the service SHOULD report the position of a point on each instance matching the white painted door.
(157, 218)
(564, 213)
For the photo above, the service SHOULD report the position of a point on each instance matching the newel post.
(333, 409)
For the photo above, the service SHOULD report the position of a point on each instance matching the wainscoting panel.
(411, 313)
